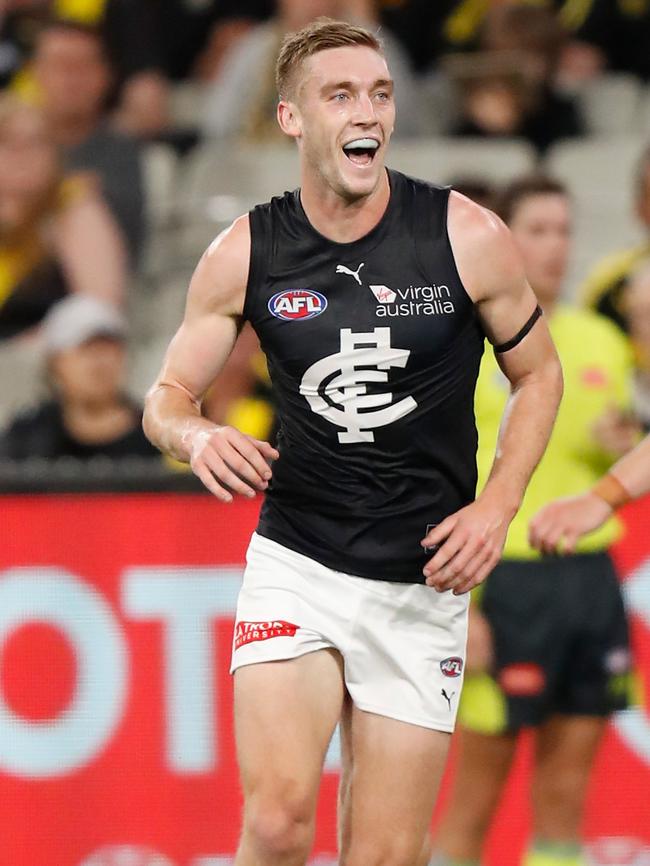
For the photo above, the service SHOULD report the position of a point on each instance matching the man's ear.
(289, 118)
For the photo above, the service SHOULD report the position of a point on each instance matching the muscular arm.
(560, 524)
(172, 417)
(489, 265)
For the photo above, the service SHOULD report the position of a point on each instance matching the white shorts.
(403, 645)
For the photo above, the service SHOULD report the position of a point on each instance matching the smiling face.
(341, 112)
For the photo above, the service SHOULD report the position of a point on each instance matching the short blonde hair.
(318, 36)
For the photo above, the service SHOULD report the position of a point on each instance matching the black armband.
(505, 347)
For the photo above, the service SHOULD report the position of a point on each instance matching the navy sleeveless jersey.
(373, 350)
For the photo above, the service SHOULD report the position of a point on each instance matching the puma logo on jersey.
(336, 387)
(341, 269)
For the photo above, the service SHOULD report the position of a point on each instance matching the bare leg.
(285, 714)
(484, 762)
(566, 748)
(390, 784)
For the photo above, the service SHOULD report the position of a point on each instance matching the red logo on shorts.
(452, 667)
(522, 680)
(248, 632)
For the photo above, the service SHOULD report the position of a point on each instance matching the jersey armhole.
(259, 257)
(436, 228)
(452, 255)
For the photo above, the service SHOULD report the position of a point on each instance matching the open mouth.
(361, 151)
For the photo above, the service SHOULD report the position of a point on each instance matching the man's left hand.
(471, 541)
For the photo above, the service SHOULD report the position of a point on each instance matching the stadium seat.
(599, 173)
(444, 159)
(22, 377)
(159, 165)
(185, 104)
(610, 104)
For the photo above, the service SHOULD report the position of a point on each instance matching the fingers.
(209, 481)
(267, 450)
(440, 532)
(229, 458)
(456, 566)
(484, 558)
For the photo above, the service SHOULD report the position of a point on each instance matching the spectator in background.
(56, 234)
(548, 642)
(243, 99)
(197, 36)
(605, 284)
(508, 89)
(89, 414)
(73, 76)
(636, 312)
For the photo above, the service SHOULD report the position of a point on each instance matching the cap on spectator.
(79, 318)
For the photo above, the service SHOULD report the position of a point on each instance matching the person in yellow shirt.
(548, 638)
(560, 524)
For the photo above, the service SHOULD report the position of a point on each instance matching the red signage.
(116, 747)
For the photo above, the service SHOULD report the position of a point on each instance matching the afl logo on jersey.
(452, 667)
(297, 304)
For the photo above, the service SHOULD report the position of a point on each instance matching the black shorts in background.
(560, 637)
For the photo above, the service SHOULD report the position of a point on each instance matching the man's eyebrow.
(349, 85)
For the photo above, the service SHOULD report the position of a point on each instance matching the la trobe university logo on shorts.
(294, 304)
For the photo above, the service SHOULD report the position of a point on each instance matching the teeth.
(361, 144)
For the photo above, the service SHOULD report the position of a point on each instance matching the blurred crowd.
(89, 87)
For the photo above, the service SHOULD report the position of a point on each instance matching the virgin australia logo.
(413, 301)
(336, 386)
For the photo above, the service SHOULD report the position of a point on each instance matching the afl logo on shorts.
(452, 667)
(295, 304)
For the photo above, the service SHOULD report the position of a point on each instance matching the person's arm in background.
(90, 248)
(471, 540)
(560, 524)
(221, 456)
(563, 522)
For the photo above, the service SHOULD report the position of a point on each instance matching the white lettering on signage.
(185, 600)
(60, 599)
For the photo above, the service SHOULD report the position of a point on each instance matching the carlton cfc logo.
(452, 667)
(297, 304)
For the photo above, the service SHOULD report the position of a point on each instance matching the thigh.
(392, 784)
(285, 715)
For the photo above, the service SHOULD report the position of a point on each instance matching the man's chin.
(359, 184)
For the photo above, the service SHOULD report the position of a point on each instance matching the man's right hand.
(560, 524)
(226, 460)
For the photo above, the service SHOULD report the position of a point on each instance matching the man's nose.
(365, 110)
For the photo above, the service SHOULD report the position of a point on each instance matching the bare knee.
(280, 827)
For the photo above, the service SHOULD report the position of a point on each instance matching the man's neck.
(340, 220)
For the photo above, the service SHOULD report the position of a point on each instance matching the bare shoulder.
(485, 253)
(219, 281)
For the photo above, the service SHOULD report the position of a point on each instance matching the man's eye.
(340, 97)
(383, 96)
